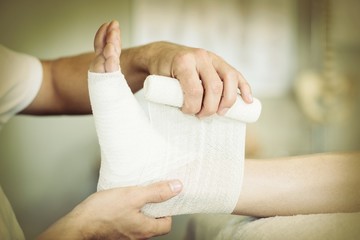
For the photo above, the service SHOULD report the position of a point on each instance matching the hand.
(210, 84)
(116, 214)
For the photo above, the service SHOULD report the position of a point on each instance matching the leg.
(319, 183)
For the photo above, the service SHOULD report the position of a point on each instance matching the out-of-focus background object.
(301, 58)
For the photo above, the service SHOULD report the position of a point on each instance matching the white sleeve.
(20, 81)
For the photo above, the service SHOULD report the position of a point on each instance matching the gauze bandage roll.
(166, 90)
(205, 154)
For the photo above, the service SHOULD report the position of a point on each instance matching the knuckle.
(186, 59)
(183, 59)
(216, 87)
(196, 91)
(191, 108)
(201, 53)
(228, 100)
(232, 76)
(209, 110)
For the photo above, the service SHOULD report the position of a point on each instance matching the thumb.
(162, 191)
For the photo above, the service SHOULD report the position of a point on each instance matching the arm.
(91, 219)
(64, 88)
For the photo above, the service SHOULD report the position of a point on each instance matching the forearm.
(68, 227)
(133, 63)
(320, 183)
(138, 62)
(69, 75)
(64, 87)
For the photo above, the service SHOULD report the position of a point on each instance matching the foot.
(107, 45)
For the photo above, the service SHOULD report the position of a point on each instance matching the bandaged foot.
(207, 155)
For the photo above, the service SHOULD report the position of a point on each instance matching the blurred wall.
(257, 37)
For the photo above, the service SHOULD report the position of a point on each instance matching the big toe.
(107, 45)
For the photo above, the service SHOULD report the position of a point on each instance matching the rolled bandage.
(166, 90)
(207, 155)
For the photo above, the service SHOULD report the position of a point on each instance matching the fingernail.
(223, 111)
(175, 186)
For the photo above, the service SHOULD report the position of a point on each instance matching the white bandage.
(205, 154)
(167, 91)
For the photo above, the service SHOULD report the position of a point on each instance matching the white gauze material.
(207, 155)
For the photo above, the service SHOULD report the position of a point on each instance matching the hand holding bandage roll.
(206, 155)
(166, 90)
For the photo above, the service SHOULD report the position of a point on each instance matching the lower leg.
(319, 183)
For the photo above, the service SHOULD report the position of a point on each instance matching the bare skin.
(64, 91)
(64, 88)
(109, 214)
(285, 186)
(107, 46)
(317, 183)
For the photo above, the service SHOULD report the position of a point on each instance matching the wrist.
(134, 65)
(135, 59)
(159, 59)
(68, 227)
(153, 58)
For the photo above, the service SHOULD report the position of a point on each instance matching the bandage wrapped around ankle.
(207, 155)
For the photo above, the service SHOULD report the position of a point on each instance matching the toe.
(100, 38)
(97, 65)
(113, 37)
(112, 64)
(107, 45)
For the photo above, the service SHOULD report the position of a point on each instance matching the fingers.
(229, 93)
(161, 191)
(233, 80)
(210, 85)
(184, 69)
(245, 90)
(193, 93)
(213, 86)
(155, 193)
